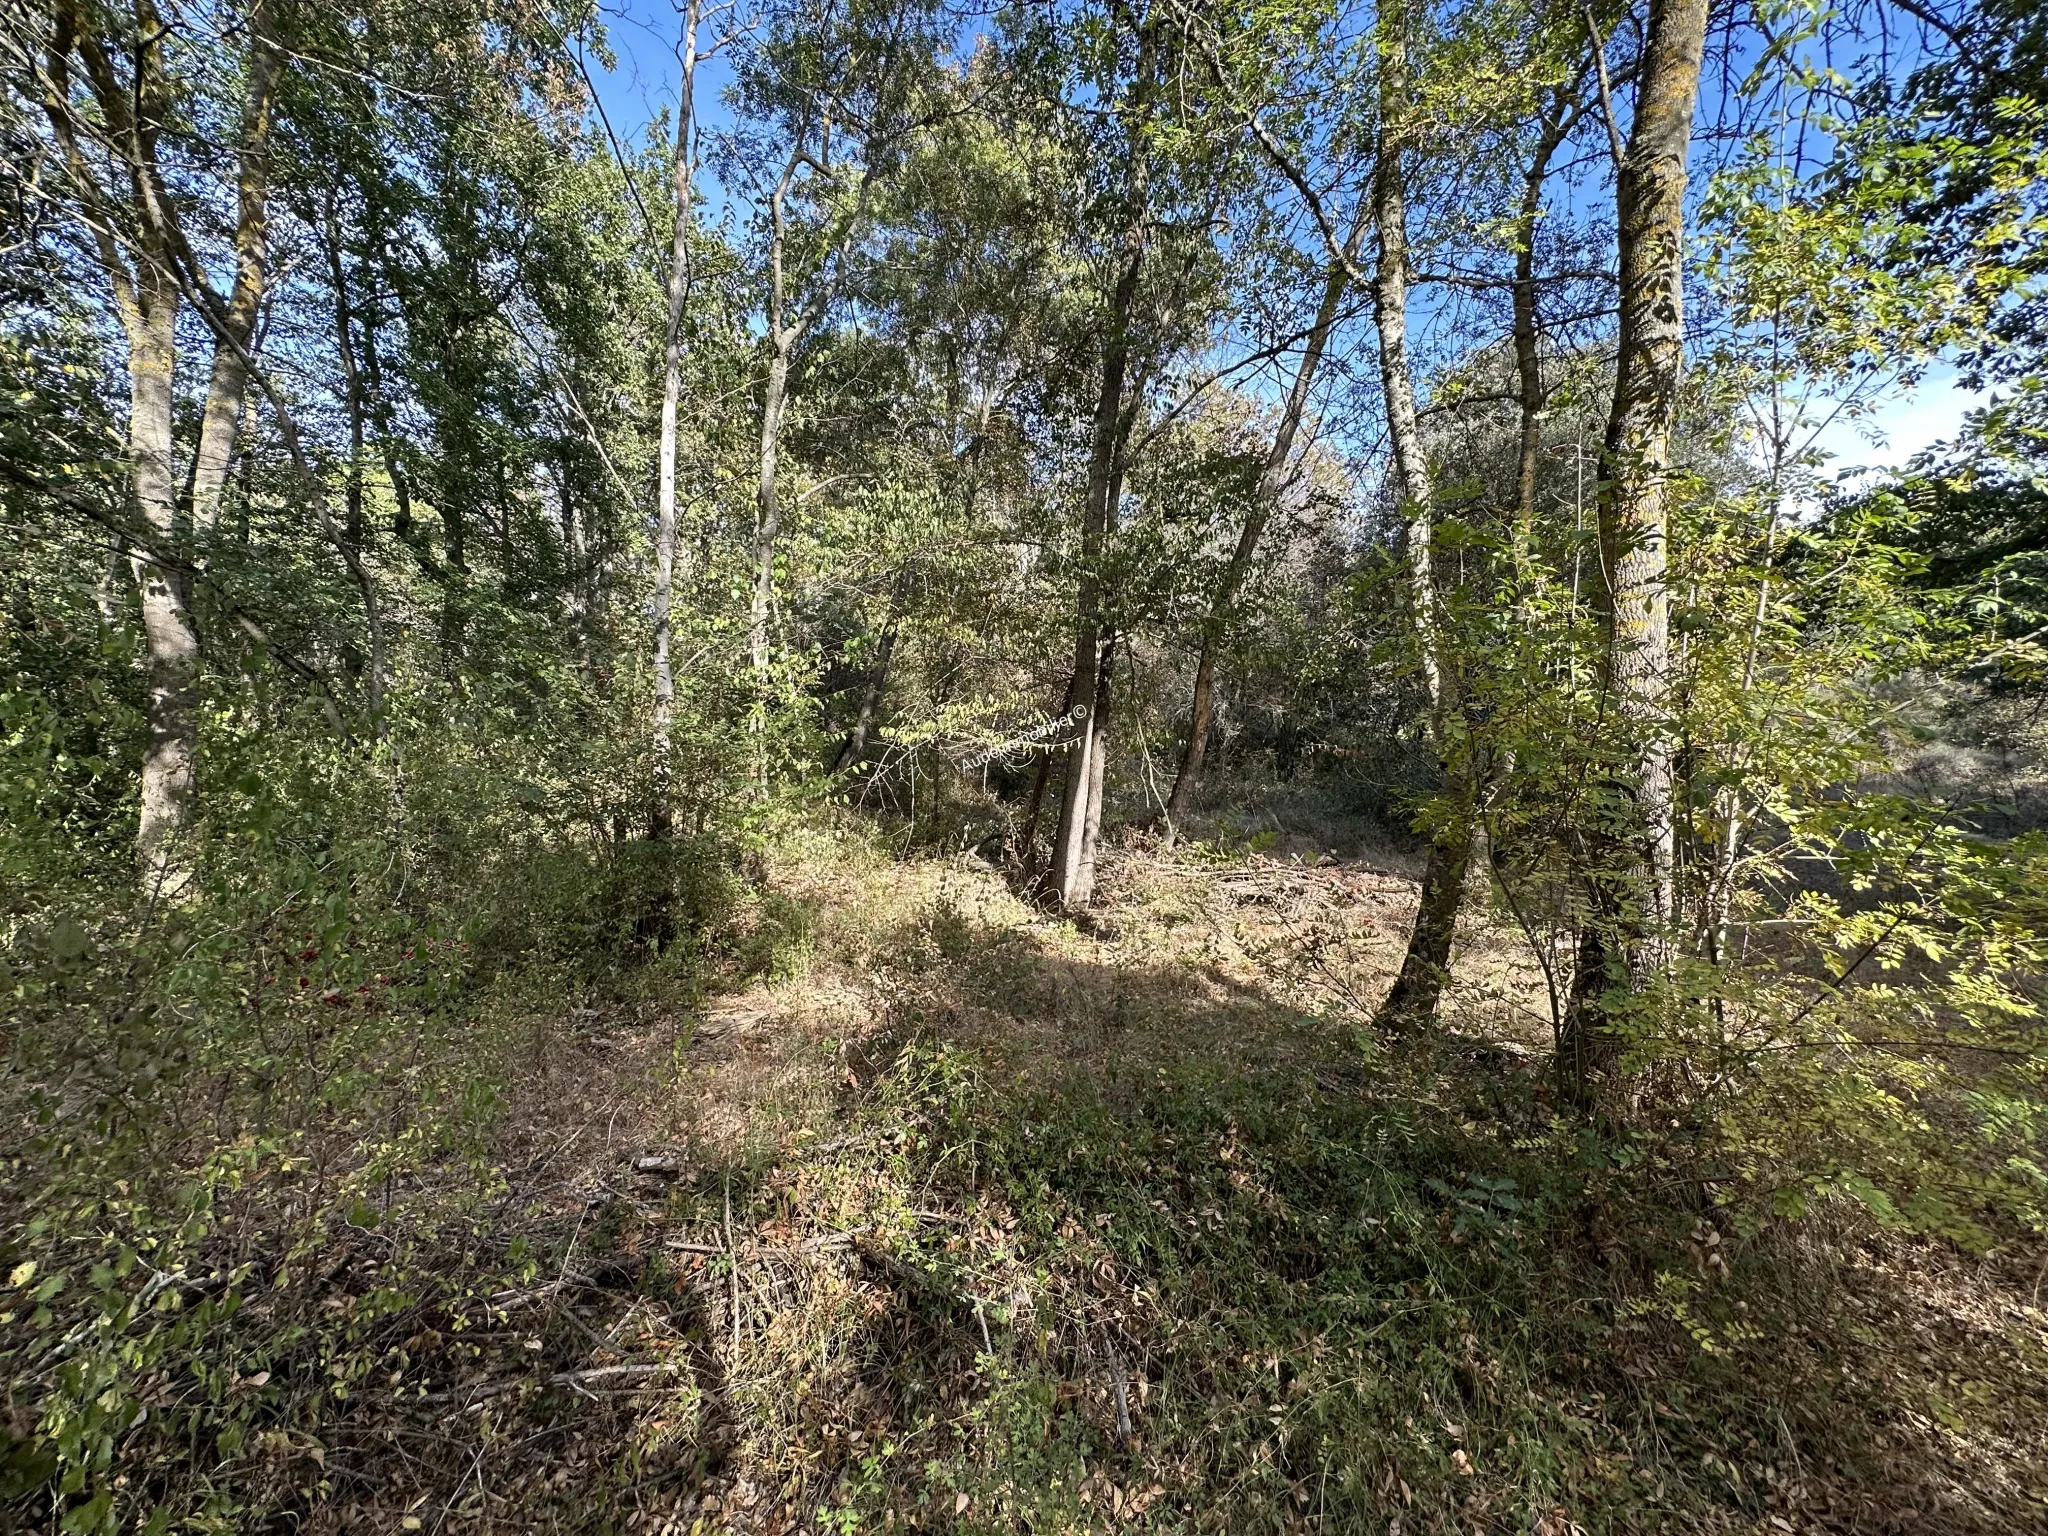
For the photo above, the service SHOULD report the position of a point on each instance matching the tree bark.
(784, 333)
(148, 295)
(1070, 876)
(1098, 761)
(354, 531)
(660, 815)
(767, 511)
(1527, 327)
(1390, 316)
(854, 748)
(1425, 968)
(227, 388)
(1411, 1004)
(378, 401)
(170, 642)
(1632, 893)
(351, 377)
(1273, 478)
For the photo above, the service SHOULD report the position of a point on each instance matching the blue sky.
(643, 35)
(1903, 422)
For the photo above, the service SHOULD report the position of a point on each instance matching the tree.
(1071, 871)
(1624, 948)
(684, 187)
(846, 86)
(1274, 476)
(109, 129)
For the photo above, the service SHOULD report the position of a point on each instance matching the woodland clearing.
(960, 1219)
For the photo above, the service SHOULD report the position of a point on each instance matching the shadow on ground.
(979, 1225)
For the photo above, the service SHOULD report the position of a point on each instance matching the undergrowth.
(1018, 1232)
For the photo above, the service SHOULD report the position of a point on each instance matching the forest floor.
(966, 1219)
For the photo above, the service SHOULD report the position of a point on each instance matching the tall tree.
(1273, 480)
(684, 189)
(1413, 999)
(846, 84)
(110, 130)
(1624, 941)
(1071, 873)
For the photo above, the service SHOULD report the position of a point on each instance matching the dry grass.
(855, 1310)
(959, 1218)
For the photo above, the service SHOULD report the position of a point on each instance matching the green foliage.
(1041, 296)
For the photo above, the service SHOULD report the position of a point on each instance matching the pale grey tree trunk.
(1390, 317)
(227, 388)
(1412, 1002)
(767, 514)
(684, 186)
(171, 646)
(1071, 872)
(148, 275)
(1625, 944)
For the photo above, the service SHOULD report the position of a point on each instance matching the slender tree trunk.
(1626, 942)
(782, 339)
(1035, 802)
(228, 387)
(355, 525)
(1727, 808)
(1098, 760)
(1390, 317)
(1071, 874)
(854, 748)
(378, 402)
(1071, 870)
(684, 188)
(148, 297)
(352, 383)
(1201, 710)
(1272, 485)
(1527, 327)
(767, 513)
(1411, 1004)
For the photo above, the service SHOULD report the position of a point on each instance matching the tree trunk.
(782, 339)
(1632, 899)
(684, 187)
(351, 377)
(1411, 1004)
(228, 387)
(1098, 760)
(147, 296)
(355, 527)
(1202, 709)
(1272, 484)
(854, 748)
(378, 401)
(171, 646)
(767, 514)
(1426, 967)
(1390, 317)
(1071, 874)
(1527, 328)
(1027, 836)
